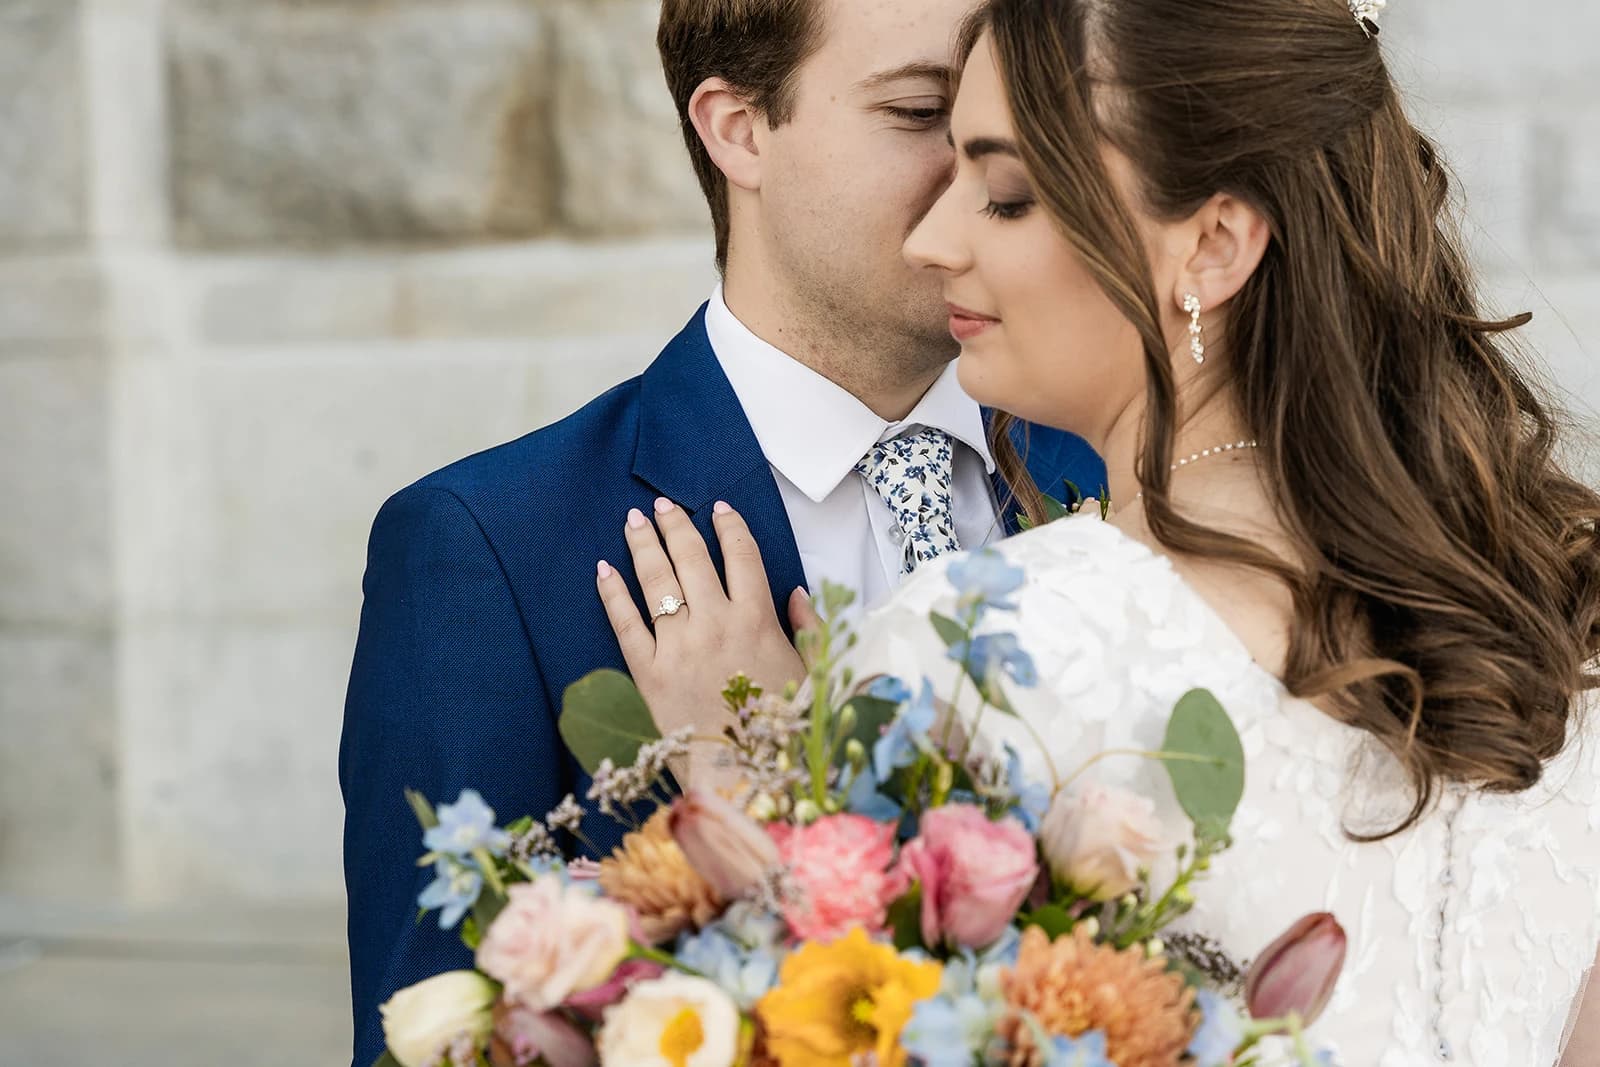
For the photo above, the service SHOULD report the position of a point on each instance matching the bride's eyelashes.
(1014, 209)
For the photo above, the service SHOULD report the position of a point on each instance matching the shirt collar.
(811, 430)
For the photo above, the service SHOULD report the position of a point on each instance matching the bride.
(1203, 235)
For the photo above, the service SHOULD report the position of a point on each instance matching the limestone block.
(345, 122)
(1487, 50)
(622, 156)
(295, 299)
(230, 744)
(55, 543)
(43, 184)
(50, 303)
(1565, 162)
(59, 765)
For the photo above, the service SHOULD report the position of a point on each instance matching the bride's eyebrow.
(978, 147)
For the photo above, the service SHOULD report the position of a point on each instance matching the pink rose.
(975, 873)
(1098, 839)
(553, 940)
(725, 846)
(839, 866)
(522, 1037)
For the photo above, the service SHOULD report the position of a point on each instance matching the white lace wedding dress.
(1470, 934)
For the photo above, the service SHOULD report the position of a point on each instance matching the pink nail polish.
(722, 508)
(663, 505)
(605, 570)
(636, 519)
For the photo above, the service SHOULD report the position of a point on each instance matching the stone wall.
(262, 262)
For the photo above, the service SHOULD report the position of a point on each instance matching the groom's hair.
(756, 46)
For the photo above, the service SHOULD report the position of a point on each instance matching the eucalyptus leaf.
(905, 919)
(1052, 919)
(1054, 509)
(471, 936)
(604, 717)
(950, 632)
(386, 1060)
(486, 910)
(873, 716)
(1210, 785)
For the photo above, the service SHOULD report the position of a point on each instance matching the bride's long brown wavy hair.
(1447, 580)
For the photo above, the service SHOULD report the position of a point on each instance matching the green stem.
(667, 960)
(1165, 757)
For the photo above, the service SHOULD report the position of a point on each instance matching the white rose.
(669, 1021)
(421, 1021)
(1097, 840)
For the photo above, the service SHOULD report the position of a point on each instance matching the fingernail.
(804, 592)
(605, 570)
(663, 505)
(636, 519)
(721, 508)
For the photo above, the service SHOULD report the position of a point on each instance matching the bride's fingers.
(802, 612)
(638, 644)
(656, 576)
(741, 557)
(691, 561)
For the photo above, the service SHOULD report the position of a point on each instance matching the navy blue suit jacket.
(481, 609)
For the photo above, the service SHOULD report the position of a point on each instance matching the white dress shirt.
(813, 433)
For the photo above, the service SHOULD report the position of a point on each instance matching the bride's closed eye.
(1014, 209)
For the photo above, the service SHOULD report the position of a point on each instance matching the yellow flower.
(838, 1000)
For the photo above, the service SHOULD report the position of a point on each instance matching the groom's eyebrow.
(935, 72)
(979, 147)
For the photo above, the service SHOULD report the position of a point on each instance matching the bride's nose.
(936, 242)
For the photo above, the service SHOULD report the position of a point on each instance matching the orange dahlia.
(1072, 986)
(651, 875)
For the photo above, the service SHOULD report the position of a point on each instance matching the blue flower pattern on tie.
(913, 474)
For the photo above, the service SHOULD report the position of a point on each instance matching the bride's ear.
(726, 123)
(1229, 239)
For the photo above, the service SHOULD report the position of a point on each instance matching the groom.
(819, 133)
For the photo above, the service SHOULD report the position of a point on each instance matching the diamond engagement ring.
(670, 605)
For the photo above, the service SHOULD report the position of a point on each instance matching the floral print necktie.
(913, 474)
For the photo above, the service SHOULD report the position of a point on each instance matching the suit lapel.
(696, 447)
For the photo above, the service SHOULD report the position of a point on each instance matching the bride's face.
(1039, 338)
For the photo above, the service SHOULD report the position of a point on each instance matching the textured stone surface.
(58, 767)
(625, 168)
(43, 193)
(55, 537)
(330, 123)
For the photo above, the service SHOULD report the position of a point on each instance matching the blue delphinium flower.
(1089, 1050)
(905, 736)
(888, 687)
(1221, 1030)
(862, 798)
(738, 952)
(1033, 799)
(466, 826)
(454, 890)
(948, 1031)
(984, 579)
(988, 652)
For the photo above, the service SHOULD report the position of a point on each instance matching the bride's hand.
(681, 662)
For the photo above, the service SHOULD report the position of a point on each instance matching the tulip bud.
(730, 850)
(1296, 974)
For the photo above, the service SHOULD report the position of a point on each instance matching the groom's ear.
(726, 123)
(1229, 237)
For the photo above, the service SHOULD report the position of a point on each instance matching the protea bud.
(726, 847)
(1297, 972)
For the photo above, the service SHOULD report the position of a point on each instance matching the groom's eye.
(925, 118)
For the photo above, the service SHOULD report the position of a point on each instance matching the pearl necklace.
(1206, 453)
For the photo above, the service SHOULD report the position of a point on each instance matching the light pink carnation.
(553, 940)
(974, 872)
(839, 868)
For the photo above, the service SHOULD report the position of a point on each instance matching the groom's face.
(861, 161)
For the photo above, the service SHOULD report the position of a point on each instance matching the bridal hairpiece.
(1366, 13)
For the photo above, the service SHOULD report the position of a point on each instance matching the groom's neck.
(889, 375)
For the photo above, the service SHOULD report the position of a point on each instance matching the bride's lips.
(966, 324)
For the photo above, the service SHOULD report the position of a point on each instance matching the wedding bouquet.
(878, 888)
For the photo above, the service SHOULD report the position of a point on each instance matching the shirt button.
(897, 535)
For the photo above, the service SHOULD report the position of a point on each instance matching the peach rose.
(553, 940)
(1098, 839)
